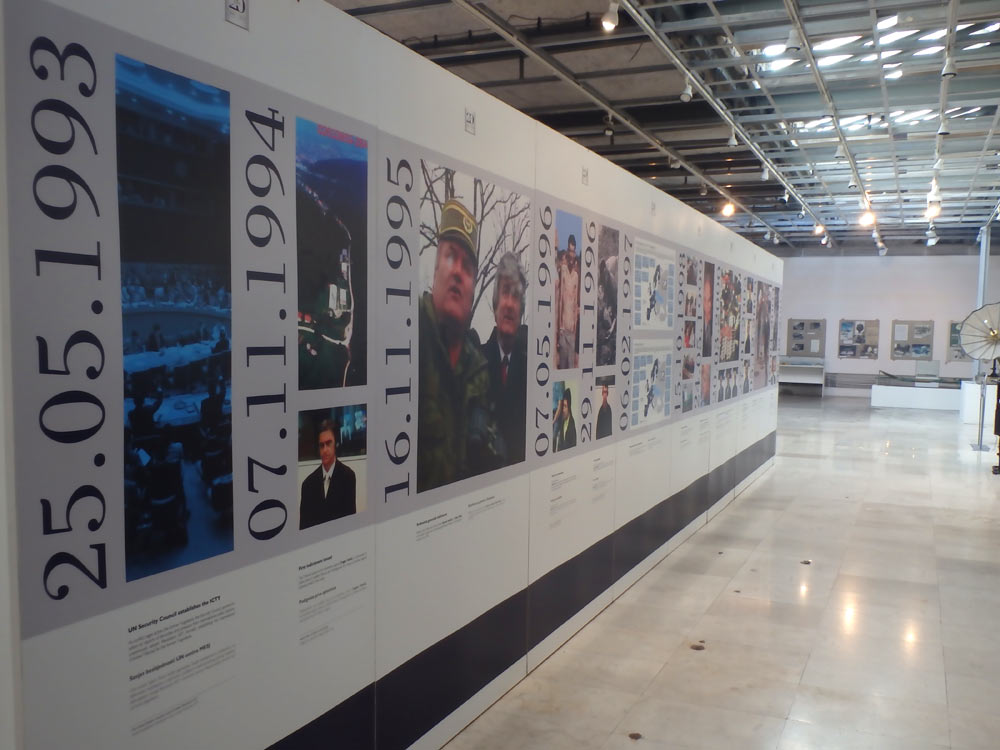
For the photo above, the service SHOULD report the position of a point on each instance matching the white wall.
(941, 289)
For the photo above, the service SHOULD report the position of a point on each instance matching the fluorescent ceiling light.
(824, 62)
(988, 30)
(817, 123)
(911, 115)
(953, 109)
(869, 58)
(897, 113)
(962, 26)
(849, 120)
(773, 50)
(887, 23)
(890, 53)
(977, 45)
(780, 64)
(840, 41)
(896, 35)
(933, 35)
(857, 126)
(932, 50)
(968, 111)
(890, 66)
(895, 74)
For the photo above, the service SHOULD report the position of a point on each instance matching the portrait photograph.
(566, 300)
(607, 295)
(332, 463)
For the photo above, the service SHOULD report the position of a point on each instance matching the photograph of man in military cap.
(457, 435)
(506, 353)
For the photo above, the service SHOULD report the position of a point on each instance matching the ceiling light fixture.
(939, 164)
(887, 23)
(732, 142)
(785, 196)
(610, 18)
(794, 43)
(765, 175)
(949, 70)
(987, 30)
(728, 210)
(825, 240)
(895, 74)
(773, 50)
(932, 50)
(866, 219)
(853, 184)
(767, 234)
(703, 190)
(609, 129)
(977, 45)
(776, 240)
(943, 129)
(882, 249)
(802, 214)
(687, 93)
(818, 229)
(840, 153)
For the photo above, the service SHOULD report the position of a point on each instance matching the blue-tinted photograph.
(174, 214)
(331, 211)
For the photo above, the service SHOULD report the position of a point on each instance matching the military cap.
(459, 225)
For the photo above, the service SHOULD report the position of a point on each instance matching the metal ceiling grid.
(859, 115)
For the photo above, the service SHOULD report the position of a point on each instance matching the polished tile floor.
(887, 639)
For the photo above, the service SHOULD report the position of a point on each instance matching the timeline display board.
(292, 387)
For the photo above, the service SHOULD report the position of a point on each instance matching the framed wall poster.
(857, 339)
(806, 338)
(912, 339)
(955, 351)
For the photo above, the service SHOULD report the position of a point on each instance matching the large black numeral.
(87, 490)
(70, 114)
(44, 44)
(70, 178)
(66, 398)
(65, 558)
(80, 337)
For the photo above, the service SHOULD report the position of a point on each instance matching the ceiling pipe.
(644, 22)
(515, 38)
(793, 13)
(943, 92)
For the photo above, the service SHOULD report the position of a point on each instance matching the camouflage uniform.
(456, 433)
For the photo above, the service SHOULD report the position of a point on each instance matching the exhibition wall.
(365, 390)
(940, 289)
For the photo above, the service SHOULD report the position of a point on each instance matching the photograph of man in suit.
(329, 491)
(506, 353)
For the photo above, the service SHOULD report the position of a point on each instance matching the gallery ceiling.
(802, 113)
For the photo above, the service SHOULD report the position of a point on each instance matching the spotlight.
(802, 214)
(882, 249)
(767, 234)
(825, 240)
(728, 210)
(943, 129)
(610, 18)
(703, 190)
(674, 163)
(765, 175)
(794, 44)
(732, 142)
(840, 153)
(933, 204)
(949, 70)
(776, 240)
(874, 234)
(609, 129)
(866, 219)
(818, 229)
(853, 184)
(939, 164)
(687, 93)
(785, 197)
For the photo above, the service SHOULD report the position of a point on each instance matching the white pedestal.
(970, 403)
(905, 397)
